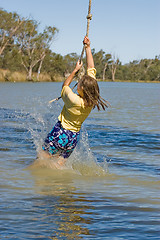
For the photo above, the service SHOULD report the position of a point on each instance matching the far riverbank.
(15, 76)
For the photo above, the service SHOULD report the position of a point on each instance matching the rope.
(89, 18)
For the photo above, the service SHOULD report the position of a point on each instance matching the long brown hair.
(91, 94)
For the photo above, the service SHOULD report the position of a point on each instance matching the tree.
(107, 61)
(70, 62)
(153, 73)
(54, 65)
(157, 63)
(26, 42)
(33, 46)
(10, 25)
(45, 41)
(10, 59)
(114, 64)
(99, 62)
(102, 61)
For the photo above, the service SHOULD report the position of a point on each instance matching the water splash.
(82, 161)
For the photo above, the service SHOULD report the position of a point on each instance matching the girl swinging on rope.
(63, 138)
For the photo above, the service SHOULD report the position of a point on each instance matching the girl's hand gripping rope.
(86, 42)
(70, 78)
(78, 65)
(68, 81)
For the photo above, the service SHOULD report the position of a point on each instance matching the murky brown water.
(111, 189)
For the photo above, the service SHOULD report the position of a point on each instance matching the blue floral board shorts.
(60, 141)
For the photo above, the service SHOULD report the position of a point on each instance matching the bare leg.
(44, 159)
(44, 154)
(60, 164)
(61, 161)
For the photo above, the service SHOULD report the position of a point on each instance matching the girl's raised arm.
(89, 56)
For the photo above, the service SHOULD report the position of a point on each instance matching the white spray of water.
(82, 161)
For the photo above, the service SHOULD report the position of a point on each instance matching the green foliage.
(70, 61)
(53, 64)
(99, 61)
(23, 47)
(10, 25)
(143, 70)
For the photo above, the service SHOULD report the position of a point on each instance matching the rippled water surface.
(111, 187)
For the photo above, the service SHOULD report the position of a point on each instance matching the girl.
(63, 138)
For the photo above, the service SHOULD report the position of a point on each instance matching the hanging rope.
(89, 18)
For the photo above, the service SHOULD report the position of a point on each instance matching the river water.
(111, 187)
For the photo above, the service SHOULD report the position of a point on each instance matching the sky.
(128, 29)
